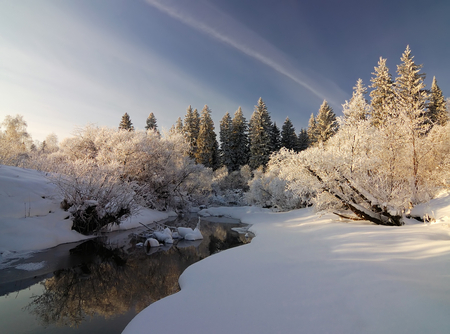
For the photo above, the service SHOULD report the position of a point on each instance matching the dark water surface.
(99, 285)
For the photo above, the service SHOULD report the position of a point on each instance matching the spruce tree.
(207, 146)
(312, 130)
(275, 138)
(437, 106)
(225, 142)
(357, 109)
(125, 123)
(151, 123)
(191, 129)
(382, 95)
(325, 122)
(303, 140)
(288, 136)
(239, 141)
(411, 95)
(260, 130)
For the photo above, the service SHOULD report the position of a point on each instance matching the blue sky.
(64, 64)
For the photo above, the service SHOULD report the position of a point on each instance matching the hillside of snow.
(31, 217)
(311, 273)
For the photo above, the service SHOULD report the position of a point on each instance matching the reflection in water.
(113, 281)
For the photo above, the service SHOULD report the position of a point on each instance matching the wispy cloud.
(213, 22)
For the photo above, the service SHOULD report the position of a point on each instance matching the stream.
(99, 285)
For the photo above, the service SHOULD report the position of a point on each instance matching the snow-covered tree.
(326, 124)
(225, 141)
(303, 140)
(151, 123)
(357, 109)
(125, 123)
(191, 129)
(382, 94)
(288, 136)
(15, 142)
(437, 105)
(50, 144)
(178, 127)
(275, 137)
(207, 147)
(260, 130)
(313, 135)
(239, 141)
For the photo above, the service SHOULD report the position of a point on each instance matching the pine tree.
(303, 140)
(326, 124)
(411, 95)
(239, 141)
(288, 136)
(438, 105)
(357, 109)
(191, 129)
(275, 138)
(125, 123)
(151, 123)
(207, 146)
(312, 130)
(382, 94)
(260, 130)
(225, 142)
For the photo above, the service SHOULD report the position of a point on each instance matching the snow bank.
(308, 273)
(31, 217)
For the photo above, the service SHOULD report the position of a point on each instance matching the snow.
(310, 273)
(31, 218)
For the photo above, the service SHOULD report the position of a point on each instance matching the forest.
(375, 162)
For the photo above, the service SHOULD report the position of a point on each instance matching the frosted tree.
(15, 142)
(178, 127)
(260, 130)
(191, 129)
(326, 124)
(437, 105)
(303, 140)
(275, 137)
(125, 123)
(225, 141)
(50, 144)
(288, 136)
(239, 141)
(207, 146)
(357, 109)
(414, 118)
(313, 135)
(382, 94)
(151, 123)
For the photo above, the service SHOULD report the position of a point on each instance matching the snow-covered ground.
(31, 218)
(310, 273)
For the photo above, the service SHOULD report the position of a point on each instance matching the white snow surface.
(310, 273)
(31, 217)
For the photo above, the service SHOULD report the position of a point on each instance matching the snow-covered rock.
(150, 242)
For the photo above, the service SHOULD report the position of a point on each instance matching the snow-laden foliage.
(15, 142)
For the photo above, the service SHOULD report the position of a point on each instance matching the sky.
(65, 64)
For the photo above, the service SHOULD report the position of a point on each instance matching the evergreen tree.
(303, 140)
(288, 136)
(411, 95)
(325, 122)
(191, 129)
(225, 142)
(239, 141)
(437, 106)
(125, 123)
(260, 130)
(207, 146)
(382, 94)
(151, 123)
(357, 109)
(312, 130)
(275, 138)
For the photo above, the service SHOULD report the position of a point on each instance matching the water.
(98, 286)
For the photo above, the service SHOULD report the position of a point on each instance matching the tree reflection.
(111, 282)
